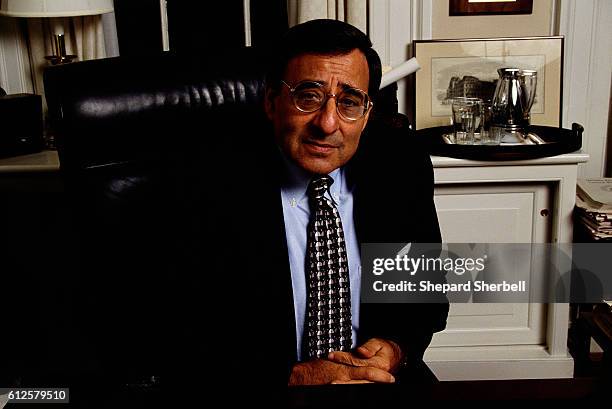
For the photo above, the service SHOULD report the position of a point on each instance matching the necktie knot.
(318, 186)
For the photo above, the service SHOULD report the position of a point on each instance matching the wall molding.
(586, 75)
(246, 11)
(554, 18)
(392, 26)
(163, 14)
(378, 23)
(422, 20)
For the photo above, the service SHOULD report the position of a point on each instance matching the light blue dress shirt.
(296, 213)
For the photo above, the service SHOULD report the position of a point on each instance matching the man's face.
(319, 141)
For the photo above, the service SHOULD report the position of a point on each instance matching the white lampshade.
(54, 8)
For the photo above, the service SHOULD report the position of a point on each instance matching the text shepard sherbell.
(428, 286)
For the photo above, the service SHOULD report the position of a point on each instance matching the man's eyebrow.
(342, 85)
(345, 86)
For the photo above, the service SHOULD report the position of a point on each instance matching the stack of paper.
(594, 206)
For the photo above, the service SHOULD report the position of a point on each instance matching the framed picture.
(479, 7)
(453, 68)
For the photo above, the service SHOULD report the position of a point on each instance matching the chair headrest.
(121, 109)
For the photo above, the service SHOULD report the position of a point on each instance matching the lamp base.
(59, 47)
(60, 59)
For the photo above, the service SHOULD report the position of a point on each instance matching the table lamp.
(55, 8)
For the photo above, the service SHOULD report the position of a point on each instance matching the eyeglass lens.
(309, 97)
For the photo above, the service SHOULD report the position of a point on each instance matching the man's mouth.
(320, 147)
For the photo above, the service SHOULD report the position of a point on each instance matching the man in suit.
(217, 266)
(318, 100)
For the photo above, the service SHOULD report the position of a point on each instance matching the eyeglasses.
(309, 96)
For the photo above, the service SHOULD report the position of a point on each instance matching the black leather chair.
(125, 129)
(131, 135)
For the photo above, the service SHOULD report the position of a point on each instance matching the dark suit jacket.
(393, 203)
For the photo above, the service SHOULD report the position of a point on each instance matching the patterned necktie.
(328, 318)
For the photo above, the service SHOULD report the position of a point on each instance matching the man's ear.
(270, 102)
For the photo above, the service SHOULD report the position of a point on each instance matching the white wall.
(392, 26)
(587, 27)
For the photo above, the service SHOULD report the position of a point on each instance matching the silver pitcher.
(512, 101)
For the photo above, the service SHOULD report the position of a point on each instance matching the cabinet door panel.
(486, 218)
(493, 213)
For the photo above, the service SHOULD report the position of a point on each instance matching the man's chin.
(319, 166)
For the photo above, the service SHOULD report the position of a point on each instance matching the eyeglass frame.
(368, 106)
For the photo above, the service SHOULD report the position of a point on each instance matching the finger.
(346, 358)
(351, 382)
(364, 352)
(349, 359)
(370, 373)
(370, 348)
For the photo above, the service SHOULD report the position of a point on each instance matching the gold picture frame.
(452, 67)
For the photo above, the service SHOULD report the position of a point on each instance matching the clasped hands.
(374, 361)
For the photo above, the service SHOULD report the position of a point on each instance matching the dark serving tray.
(544, 141)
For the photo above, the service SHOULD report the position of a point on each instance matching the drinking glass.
(466, 119)
(489, 134)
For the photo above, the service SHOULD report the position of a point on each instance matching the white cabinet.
(527, 201)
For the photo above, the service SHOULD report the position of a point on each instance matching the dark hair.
(324, 37)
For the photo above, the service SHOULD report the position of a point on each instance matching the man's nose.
(327, 117)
